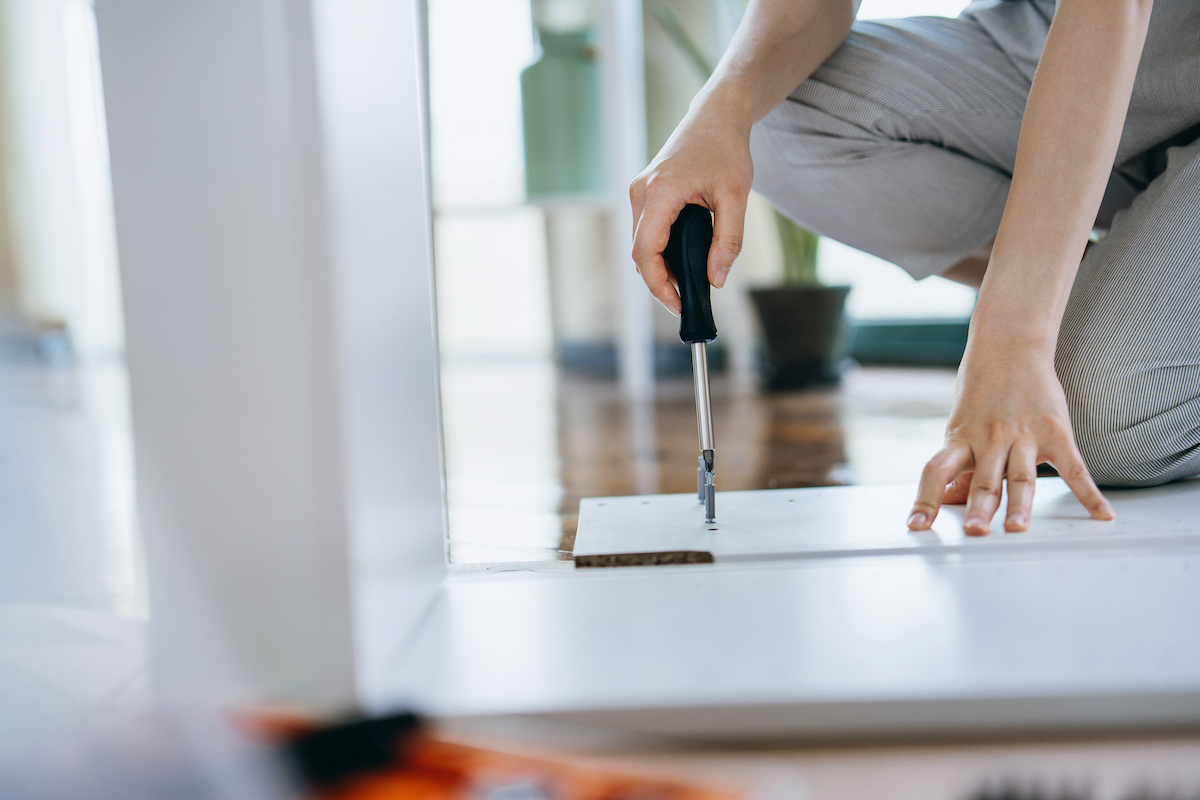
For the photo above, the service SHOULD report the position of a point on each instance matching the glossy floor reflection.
(524, 442)
(73, 598)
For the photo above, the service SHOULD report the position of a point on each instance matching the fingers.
(946, 464)
(1022, 480)
(728, 228)
(1071, 469)
(652, 231)
(981, 486)
(956, 492)
(984, 498)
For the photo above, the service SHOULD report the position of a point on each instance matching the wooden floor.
(525, 442)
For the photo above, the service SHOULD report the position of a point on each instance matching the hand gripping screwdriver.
(687, 258)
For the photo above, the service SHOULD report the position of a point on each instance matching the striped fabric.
(1129, 346)
(902, 144)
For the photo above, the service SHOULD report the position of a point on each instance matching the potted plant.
(802, 320)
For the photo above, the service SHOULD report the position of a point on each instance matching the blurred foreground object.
(395, 757)
(184, 752)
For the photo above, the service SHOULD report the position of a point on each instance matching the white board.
(896, 645)
(864, 520)
(823, 617)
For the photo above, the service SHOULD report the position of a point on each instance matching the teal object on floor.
(560, 100)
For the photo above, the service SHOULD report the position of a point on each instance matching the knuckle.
(933, 469)
(1021, 478)
(984, 487)
(942, 458)
(654, 186)
(653, 282)
(737, 183)
(1077, 471)
(996, 432)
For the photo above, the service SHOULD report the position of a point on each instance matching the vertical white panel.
(273, 235)
(372, 86)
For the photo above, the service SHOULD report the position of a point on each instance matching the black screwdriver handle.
(687, 258)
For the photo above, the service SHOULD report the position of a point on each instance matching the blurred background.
(529, 112)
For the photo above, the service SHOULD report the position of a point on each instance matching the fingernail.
(975, 522)
(722, 274)
(918, 520)
(1019, 521)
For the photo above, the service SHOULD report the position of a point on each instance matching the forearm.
(1069, 139)
(777, 46)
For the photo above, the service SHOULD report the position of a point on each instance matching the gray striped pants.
(902, 144)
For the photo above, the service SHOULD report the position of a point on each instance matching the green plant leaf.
(799, 247)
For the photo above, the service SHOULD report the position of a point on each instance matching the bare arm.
(1010, 413)
(707, 159)
(777, 46)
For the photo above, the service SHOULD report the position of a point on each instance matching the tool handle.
(687, 258)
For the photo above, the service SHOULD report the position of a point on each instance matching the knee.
(1114, 461)
(1125, 437)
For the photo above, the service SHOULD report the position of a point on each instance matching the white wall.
(56, 172)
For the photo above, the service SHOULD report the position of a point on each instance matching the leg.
(901, 144)
(1129, 346)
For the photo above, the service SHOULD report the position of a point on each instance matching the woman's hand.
(706, 162)
(778, 44)
(1009, 415)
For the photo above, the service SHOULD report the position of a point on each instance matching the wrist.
(1009, 338)
(728, 98)
(1019, 312)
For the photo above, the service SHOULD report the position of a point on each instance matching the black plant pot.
(804, 334)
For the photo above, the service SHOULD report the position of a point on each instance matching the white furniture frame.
(270, 179)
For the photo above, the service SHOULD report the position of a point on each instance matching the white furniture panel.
(808, 523)
(849, 646)
(824, 617)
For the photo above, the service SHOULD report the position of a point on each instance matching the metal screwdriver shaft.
(687, 257)
(704, 427)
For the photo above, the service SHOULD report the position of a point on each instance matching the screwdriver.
(687, 258)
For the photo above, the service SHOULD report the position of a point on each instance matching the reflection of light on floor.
(502, 463)
(73, 600)
(893, 421)
(106, 400)
(525, 443)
